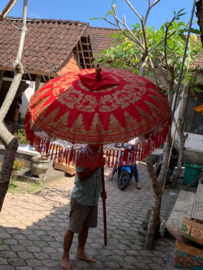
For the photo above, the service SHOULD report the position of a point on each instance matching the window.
(193, 119)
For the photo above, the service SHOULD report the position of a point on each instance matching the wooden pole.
(104, 205)
(37, 82)
(1, 78)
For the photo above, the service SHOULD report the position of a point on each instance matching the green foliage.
(25, 188)
(20, 135)
(17, 166)
(125, 52)
(194, 86)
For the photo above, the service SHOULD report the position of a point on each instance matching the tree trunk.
(7, 167)
(158, 187)
(9, 141)
(143, 63)
(182, 137)
(157, 192)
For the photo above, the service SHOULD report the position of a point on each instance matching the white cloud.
(34, 15)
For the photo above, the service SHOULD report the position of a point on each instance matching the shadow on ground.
(33, 225)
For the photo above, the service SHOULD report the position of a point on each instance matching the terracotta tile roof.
(48, 43)
(100, 38)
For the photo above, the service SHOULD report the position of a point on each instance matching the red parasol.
(92, 108)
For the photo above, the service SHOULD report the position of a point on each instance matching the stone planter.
(39, 166)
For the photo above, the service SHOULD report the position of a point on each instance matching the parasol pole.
(104, 203)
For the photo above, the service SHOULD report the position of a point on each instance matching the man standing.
(83, 208)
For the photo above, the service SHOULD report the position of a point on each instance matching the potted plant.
(39, 166)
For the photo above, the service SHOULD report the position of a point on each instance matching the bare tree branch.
(148, 10)
(110, 22)
(138, 42)
(7, 9)
(118, 21)
(130, 5)
(18, 69)
(145, 37)
(160, 68)
(153, 70)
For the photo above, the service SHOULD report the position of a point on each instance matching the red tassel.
(56, 152)
(108, 158)
(125, 155)
(90, 160)
(78, 160)
(115, 164)
(66, 156)
(74, 156)
(47, 148)
(60, 155)
(52, 150)
(86, 157)
(101, 159)
(120, 159)
(95, 158)
(112, 163)
(70, 157)
(83, 159)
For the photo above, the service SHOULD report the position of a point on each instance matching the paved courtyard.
(33, 225)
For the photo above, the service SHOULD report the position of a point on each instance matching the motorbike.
(173, 163)
(124, 173)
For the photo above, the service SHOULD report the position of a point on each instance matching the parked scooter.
(124, 173)
(173, 163)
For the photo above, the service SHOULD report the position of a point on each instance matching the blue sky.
(83, 10)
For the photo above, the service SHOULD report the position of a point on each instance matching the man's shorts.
(82, 216)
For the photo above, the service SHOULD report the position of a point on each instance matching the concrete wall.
(26, 98)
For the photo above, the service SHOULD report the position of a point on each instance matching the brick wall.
(72, 65)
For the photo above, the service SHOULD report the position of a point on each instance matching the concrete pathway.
(33, 225)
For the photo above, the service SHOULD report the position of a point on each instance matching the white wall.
(194, 142)
(26, 97)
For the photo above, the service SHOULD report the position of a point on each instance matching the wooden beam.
(78, 55)
(89, 53)
(85, 43)
(33, 72)
(84, 51)
(86, 57)
(44, 78)
(29, 77)
(1, 78)
(37, 82)
(83, 55)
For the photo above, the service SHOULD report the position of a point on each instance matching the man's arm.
(82, 176)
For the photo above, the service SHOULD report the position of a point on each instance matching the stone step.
(50, 176)
(197, 212)
(182, 208)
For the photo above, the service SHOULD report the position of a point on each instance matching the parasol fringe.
(66, 156)
(87, 156)
(113, 156)
(98, 160)
(115, 164)
(78, 159)
(52, 150)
